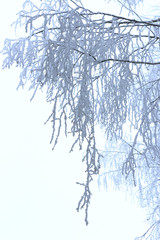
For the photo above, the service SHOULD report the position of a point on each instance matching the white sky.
(38, 194)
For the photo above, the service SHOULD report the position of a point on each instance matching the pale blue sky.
(38, 194)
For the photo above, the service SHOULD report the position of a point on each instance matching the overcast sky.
(38, 194)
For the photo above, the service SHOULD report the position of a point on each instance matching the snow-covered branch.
(97, 69)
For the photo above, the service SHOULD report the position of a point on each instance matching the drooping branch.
(97, 69)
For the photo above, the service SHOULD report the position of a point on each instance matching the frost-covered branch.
(98, 69)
